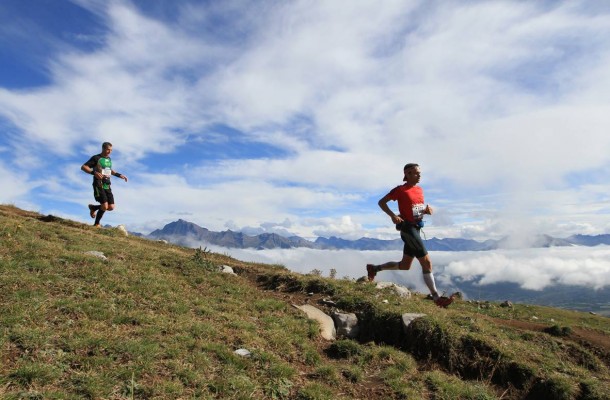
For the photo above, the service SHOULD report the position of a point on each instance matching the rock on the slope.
(327, 325)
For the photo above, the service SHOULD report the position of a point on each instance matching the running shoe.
(444, 301)
(92, 210)
(370, 271)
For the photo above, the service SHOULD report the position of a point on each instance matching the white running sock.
(429, 279)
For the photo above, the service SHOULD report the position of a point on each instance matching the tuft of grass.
(325, 373)
(560, 331)
(447, 387)
(315, 391)
(353, 374)
(344, 349)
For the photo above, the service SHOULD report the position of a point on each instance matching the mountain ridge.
(182, 232)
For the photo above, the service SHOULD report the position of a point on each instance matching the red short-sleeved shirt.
(410, 202)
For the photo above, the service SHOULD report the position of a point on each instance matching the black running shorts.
(414, 246)
(103, 195)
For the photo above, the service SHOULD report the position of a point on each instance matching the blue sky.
(296, 117)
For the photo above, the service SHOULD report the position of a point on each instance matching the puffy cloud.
(536, 269)
(533, 269)
(503, 104)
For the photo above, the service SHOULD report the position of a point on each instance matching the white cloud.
(14, 184)
(532, 269)
(535, 269)
(500, 102)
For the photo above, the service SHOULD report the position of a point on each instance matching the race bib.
(106, 172)
(418, 211)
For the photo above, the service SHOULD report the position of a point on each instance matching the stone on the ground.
(97, 254)
(407, 318)
(227, 270)
(327, 325)
(346, 324)
(242, 352)
(400, 290)
(121, 228)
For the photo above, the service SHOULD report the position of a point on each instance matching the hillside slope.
(158, 321)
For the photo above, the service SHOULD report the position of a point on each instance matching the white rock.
(400, 290)
(227, 270)
(97, 254)
(346, 324)
(407, 318)
(242, 352)
(122, 229)
(327, 325)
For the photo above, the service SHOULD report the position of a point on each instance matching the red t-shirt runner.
(410, 202)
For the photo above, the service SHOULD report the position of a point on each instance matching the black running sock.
(94, 207)
(98, 217)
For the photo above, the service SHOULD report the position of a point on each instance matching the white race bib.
(418, 211)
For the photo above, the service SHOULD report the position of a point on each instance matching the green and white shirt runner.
(102, 165)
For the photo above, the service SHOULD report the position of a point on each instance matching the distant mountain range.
(184, 233)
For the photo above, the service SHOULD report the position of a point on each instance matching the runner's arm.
(119, 175)
(383, 204)
(89, 170)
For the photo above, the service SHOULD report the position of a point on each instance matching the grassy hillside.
(157, 321)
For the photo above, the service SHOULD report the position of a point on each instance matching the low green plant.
(353, 374)
(201, 258)
(278, 388)
(326, 373)
(344, 349)
(447, 387)
(560, 331)
(315, 391)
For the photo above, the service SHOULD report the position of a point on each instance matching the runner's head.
(106, 149)
(412, 173)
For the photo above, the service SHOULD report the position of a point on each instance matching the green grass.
(157, 321)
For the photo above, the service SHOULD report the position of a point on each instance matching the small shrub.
(344, 349)
(592, 390)
(29, 374)
(315, 391)
(560, 331)
(311, 357)
(445, 386)
(201, 259)
(326, 373)
(557, 388)
(269, 305)
(353, 374)
(280, 370)
(320, 286)
(278, 388)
